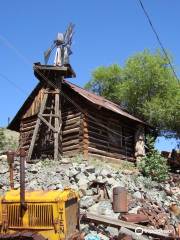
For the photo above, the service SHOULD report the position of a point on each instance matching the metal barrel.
(120, 203)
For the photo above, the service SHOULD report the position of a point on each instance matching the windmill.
(51, 77)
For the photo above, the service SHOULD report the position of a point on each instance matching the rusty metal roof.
(91, 97)
(102, 102)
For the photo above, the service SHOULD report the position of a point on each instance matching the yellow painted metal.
(53, 214)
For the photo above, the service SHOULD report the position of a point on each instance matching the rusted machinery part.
(22, 236)
(77, 236)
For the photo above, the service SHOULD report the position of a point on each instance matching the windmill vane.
(63, 47)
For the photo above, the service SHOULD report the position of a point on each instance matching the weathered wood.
(97, 140)
(37, 127)
(57, 109)
(104, 153)
(71, 121)
(74, 130)
(74, 125)
(28, 124)
(27, 129)
(85, 136)
(47, 123)
(67, 117)
(70, 147)
(68, 143)
(101, 219)
(108, 148)
(71, 153)
(71, 137)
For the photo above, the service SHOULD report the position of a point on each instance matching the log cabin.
(91, 125)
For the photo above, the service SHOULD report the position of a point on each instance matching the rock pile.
(142, 191)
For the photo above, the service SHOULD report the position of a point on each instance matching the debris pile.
(149, 207)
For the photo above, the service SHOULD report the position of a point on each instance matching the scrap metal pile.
(151, 221)
(138, 208)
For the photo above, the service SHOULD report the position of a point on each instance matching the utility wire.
(13, 84)
(158, 39)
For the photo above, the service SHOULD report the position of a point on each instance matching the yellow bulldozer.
(38, 215)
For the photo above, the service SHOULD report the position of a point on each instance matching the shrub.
(153, 164)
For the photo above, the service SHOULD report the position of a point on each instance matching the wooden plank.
(67, 117)
(93, 139)
(72, 142)
(48, 124)
(74, 130)
(71, 153)
(104, 153)
(28, 124)
(71, 137)
(27, 129)
(71, 121)
(101, 219)
(58, 121)
(70, 147)
(74, 125)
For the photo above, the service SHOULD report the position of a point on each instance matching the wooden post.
(58, 120)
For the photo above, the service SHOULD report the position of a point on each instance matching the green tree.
(105, 81)
(146, 87)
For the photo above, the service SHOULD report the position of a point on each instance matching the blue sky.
(106, 32)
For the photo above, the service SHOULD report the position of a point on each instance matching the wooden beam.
(101, 219)
(57, 119)
(47, 123)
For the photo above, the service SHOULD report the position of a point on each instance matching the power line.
(13, 84)
(158, 39)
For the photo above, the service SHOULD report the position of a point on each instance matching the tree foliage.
(145, 86)
(153, 165)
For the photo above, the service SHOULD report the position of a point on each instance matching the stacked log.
(71, 129)
(26, 128)
(117, 143)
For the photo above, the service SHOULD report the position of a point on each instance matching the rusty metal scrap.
(155, 213)
(120, 202)
(135, 218)
(10, 159)
(101, 219)
(22, 235)
(102, 192)
(102, 102)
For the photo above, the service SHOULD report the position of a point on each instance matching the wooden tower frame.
(50, 110)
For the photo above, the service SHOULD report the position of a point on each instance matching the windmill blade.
(47, 53)
(69, 34)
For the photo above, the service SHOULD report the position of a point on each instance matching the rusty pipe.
(22, 178)
(135, 218)
(10, 159)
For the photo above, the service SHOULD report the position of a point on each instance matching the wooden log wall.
(27, 126)
(117, 143)
(72, 120)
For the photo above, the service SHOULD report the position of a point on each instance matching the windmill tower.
(51, 77)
